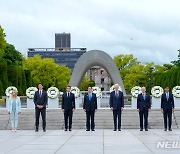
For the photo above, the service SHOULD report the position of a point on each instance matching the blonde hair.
(15, 93)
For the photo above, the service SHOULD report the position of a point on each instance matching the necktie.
(68, 95)
(40, 93)
(116, 94)
(89, 96)
(167, 96)
(144, 96)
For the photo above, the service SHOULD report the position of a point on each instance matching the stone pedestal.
(156, 102)
(177, 102)
(77, 102)
(7, 102)
(134, 103)
(53, 103)
(98, 102)
(30, 103)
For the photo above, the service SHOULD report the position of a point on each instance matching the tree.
(48, 72)
(124, 63)
(2, 41)
(13, 56)
(3, 73)
(177, 62)
(1, 90)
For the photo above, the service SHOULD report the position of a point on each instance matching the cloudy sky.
(149, 29)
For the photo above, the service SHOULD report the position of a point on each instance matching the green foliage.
(47, 72)
(13, 56)
(2, 41)
(3, 73)
(1, 90)
(177, 62)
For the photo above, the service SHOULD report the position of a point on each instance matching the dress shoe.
(165, 129)
(65, 130)
(119, 129)
(170, 129)
(146, 129)
(69, 129)
(44, 130)
(114, 130)
(87, 129)
(36, 130)
(141, 129)
(92, 130)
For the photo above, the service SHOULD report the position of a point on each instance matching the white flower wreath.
(112, 88)
(9, 90)
(157, 91)
(135, 91)
(75, 91)
(97, 91)
(176, 91)
(52, 92)
(30, 92)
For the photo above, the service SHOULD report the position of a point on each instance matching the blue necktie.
(167, 96)
(89, 96)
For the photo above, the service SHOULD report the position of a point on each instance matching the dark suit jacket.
(40, 100)
(90, 105)
(167, 104)
(116, 103)
(141, 103)
(68, 103)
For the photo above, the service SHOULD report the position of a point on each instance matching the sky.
(148, 29)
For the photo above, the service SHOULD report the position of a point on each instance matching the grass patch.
(2, 101)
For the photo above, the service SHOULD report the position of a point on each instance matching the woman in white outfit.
(14, 108)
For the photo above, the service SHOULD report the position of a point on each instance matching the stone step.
(103, 119)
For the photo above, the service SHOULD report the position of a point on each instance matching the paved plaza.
(82, 142)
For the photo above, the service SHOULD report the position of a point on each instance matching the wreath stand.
(53, 103)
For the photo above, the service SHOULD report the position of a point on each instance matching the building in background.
(100, 77)
(62, 40)
(63, 54)
(67, 57)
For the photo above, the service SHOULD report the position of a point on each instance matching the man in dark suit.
(68, 107)
(90, 107)
(40, 101)
(117, 105)
(167, 107)
(143, 107)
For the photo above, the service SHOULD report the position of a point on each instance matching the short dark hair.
(89, 87)
(166, 87)
(40, 83)
(68, 86)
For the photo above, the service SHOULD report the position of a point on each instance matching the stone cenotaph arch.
(95, 58)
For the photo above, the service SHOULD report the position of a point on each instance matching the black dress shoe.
(92, 130)
(141, 129)
(114, 130)
(119, 129)
(36, 130)
(69, 129)
(146, 129)
(170, 129)
(87, 129)
(44, 130)
(165, 129)
(65, 130)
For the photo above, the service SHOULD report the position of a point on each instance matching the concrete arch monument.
(95, 58)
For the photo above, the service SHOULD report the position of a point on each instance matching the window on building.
(102, 80)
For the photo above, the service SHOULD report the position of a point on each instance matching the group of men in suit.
(116, 104)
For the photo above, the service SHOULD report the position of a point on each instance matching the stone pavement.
(81, 142)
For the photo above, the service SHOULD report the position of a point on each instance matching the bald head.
(116, 86)
(143, 89)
